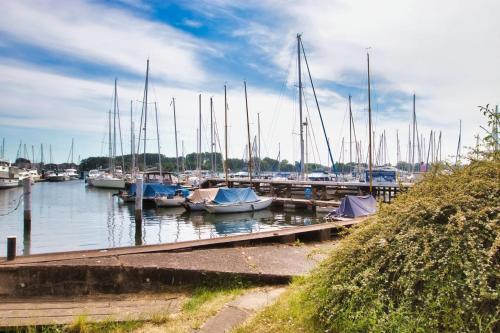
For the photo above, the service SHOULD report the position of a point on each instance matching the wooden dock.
(321, 192)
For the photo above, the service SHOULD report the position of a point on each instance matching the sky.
(59, 60)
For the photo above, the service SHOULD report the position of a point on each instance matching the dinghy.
(237, 200)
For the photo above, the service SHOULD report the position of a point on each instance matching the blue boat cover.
(235, 195)
(355, 206)
(151, 190)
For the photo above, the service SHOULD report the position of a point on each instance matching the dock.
(271, 257)
(319, 190)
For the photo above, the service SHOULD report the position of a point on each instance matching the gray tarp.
(355, 206)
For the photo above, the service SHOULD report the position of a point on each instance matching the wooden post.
(27, 204)
(138, 210)
(11, 247)
(138, 200)
(314, 192)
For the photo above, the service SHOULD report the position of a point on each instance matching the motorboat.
(72, 174)
(34, 175)
(237, 200)
(107, 180)
(198, 198)
(6, 183)
(56, 176)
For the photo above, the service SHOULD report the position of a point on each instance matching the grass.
(427, 263)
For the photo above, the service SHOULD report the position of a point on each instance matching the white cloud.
(100, 34)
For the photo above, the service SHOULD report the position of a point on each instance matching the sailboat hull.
(263, 203)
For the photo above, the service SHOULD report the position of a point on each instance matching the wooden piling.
(11, 247)
(27, 204)
(138, 200)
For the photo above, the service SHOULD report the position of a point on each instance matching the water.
(69, 216)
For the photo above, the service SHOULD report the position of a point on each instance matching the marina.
(69, 216)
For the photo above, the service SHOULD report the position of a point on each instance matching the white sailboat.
(237, 200)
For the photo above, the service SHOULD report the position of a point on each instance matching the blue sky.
(58, 62)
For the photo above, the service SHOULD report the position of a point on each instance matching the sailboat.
(113, 179)
(159, 187)
(237, 200)
(6, 178)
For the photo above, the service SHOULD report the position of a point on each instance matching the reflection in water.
(69, 216)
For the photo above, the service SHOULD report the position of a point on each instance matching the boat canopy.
(201, 195)
(235, 195)
(156, 189)
(356, 206)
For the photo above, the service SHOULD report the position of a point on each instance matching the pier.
(264, 257)
(321, 192)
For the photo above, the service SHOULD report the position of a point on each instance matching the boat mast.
(198, 160)
(175, 130)
(350, 137)
(317, 106)
(369, 126)
(109, 143)
(41, 155)
(225, 133)
(3, 148)
(211, 135)
(145, 106)
(114, 130)
(132, 155)
(414, 132)
(248, 134)
(457, 159)
(300, 110)
(258, 129)
(158, 140)
(72, 150)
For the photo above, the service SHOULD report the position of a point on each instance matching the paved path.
(57, 310)
(274, 259)
(237, 311)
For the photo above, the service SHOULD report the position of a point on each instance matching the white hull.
(57, 178)
(108, 183)
(263, 203)
(172, 202)
(8, 183)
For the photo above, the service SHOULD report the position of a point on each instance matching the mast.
(317, 106)
(33, 154)
(369, 126)
(457, 159)
(109, 143)
(3, 148)
(350, 137)
(258, 147)
(300, 110)
(145, 106)
(398, 151)
(72, 150)
(198, 160)
(114, 129)
(175, 130)
(132, 155)
(158, 140)
(211, 135)
(41, 155)
(414, 133)
(248, 134)
(225, 133)
(183, 159)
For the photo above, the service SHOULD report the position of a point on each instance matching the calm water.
(69, 216)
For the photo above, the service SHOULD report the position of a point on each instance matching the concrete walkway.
(237, 311)
(52, 310)
(270, 264)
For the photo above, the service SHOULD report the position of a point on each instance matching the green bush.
(429, 262)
